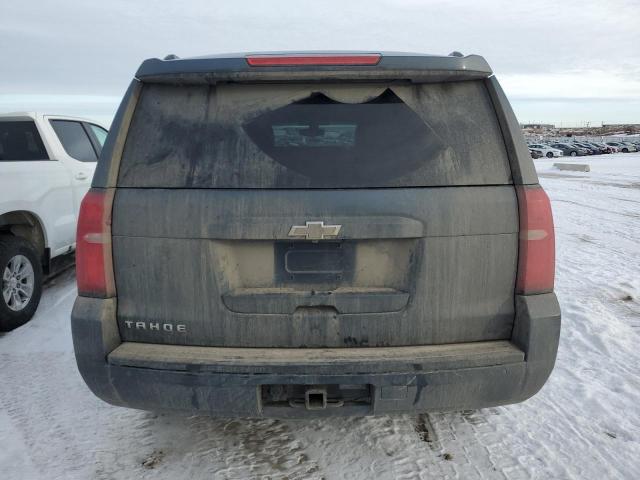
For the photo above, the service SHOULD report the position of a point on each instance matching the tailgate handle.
(270, 301)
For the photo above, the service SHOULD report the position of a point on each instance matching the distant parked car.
(546, 150)
(535, 153)
(46, 166)
(623, 147)
(601, 148)
(569, 150)
(589, 148)
(610, 148)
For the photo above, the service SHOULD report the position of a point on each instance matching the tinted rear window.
(21, 141)
(312, 136)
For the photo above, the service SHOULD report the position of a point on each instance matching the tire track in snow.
(605, 210)
(70, 435)
(204, 447)
(254, 449)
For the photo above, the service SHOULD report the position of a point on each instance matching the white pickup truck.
(46, 166)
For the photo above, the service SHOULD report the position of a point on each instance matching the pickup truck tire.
(20, 273)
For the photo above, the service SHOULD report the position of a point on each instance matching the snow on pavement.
(584, 424)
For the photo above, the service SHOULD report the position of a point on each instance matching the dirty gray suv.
(294, 235)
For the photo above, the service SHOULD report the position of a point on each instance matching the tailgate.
(408, 266)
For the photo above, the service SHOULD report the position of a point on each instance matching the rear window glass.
(20, 141)
(314, 136)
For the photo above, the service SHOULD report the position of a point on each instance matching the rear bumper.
(230, 382)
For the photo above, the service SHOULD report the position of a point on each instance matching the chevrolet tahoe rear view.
(306, 234)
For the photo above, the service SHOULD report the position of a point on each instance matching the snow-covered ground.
(584, 424)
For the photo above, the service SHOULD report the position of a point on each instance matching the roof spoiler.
(314, 66)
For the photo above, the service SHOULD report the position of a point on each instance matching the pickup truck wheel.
(21, 284)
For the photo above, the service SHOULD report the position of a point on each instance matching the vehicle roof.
(36, 115)
(392, 65)
(18, 115)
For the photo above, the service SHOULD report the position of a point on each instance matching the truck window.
(20, 141)
(74, 139)
(100, 134)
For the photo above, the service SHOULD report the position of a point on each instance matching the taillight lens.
(313, 59)
(536, 258)
(94, 263)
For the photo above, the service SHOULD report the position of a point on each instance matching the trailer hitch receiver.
(315, 398)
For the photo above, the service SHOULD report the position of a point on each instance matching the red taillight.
(94, 264)
(536, 258)
(312, 59)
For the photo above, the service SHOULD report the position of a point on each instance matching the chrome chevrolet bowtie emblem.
(315, 231)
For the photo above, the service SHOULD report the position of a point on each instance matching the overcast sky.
(559, 61)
